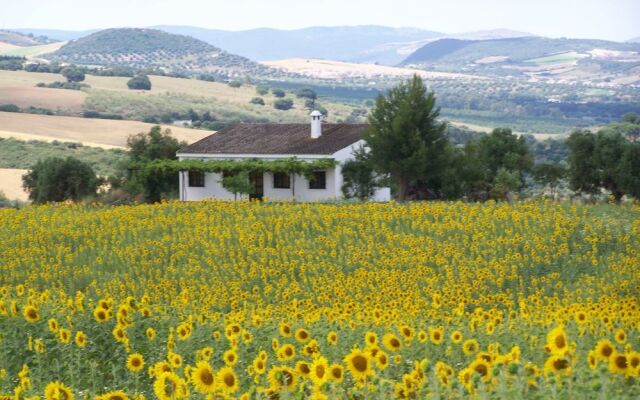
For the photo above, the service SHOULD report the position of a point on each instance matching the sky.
(602, 19)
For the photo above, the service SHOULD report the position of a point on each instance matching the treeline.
(409, 150)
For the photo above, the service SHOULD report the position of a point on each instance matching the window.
(281, 181)
(318, 180)
(196, 179)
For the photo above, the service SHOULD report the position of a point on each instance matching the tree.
(608, 151)
(406, 140)
(146, 147)
(59, 179)
(237, 183)
(139, 82)
(235, 84)
(503, 149)
(582, 168)
(278, 92)
(630, 170)
(283, 104)
(505, 182)
(73, 74)
(257, 100)
(307, 93)
(359, 178)
(549, 174)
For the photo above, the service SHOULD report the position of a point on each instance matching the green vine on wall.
(291, 165)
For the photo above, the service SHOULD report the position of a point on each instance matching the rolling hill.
(23, 40)
(590, 59)
(152, 48)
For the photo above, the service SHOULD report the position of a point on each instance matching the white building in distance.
(271, 142)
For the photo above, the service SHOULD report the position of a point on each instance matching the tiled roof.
(277, 139)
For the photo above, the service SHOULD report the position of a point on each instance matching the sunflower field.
(221, 300)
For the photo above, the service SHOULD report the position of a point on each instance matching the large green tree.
(60, 179)
(143, 148)
(406, 140)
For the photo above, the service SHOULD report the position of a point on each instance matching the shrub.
(278, 92)
(283, 104)
(59, 179)
(235, 84)
(139, 82)
(257, 100)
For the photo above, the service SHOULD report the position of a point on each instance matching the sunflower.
(151, 334)
(135, 362)
(161, 367)
(332, 338)
(64, 335)
(227, 380)
(558, 365)
(482, 368)
(230, 357)
(391, 342)
(436, 335)
(282, 377)
(115, 395)
(407, 332)
(604, 349)
(580, 317)
(285, 329)
(302, 335)
(370, 338)
(286, 352)
(81, 339)
(175, 360)
(31, 314)
(205, 353)
(422, 336)
(359, 364)
(634, 360)
(101, 314)
(119, 333)
(470, 346)
(57, 391)
(619, 363)
(184, 331)
(319, 371)
(170, 386)
(382, 360)
(593, 359)
(203, 378)
(557, 341)
(621, 336)
(53, 325)
(303, 368)
(456, 336)
(336, 373)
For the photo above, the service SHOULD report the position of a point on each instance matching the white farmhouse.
(271, 142)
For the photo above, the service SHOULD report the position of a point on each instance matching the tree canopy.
(60, 179)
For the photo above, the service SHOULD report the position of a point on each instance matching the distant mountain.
(152, 48)
(634, 40)
(56, 34)
(491, 34)
(23, 40)
(342, 43)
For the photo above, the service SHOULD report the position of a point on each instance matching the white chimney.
(316, 124)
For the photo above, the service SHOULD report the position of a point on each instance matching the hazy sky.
(606, 19)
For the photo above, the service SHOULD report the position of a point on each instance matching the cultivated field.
(30, 51)
(11, 184)
(66, 101)
(111, 95)
(321, 301)
(90, 132)
(327, 69)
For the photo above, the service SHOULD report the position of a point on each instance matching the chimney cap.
(316, 113)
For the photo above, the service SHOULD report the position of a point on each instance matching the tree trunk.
(617, 195)
(403, 188)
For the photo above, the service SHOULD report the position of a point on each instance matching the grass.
(18, 154)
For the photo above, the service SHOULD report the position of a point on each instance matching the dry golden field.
(96, 132)
(11, 183)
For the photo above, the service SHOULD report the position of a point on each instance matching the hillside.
(534, 56)
(152, 48)
(23, 40)
(634, 40)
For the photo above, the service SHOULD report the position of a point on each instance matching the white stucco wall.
(213, 187)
